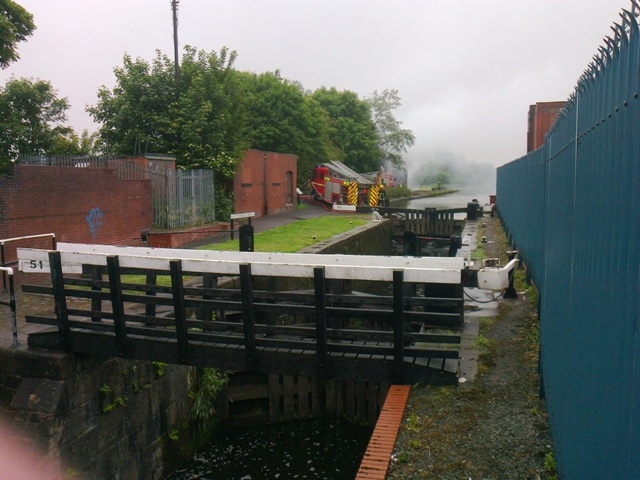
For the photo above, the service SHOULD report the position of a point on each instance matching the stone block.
(38, 395)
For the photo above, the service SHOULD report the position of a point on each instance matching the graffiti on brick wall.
(94, 219)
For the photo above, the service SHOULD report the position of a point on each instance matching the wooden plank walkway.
(375, 462)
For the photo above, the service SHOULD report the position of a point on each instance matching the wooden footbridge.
(370, 318)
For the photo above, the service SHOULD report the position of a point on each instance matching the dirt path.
(493, 428)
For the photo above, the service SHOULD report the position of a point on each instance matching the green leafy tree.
(69, 143)
(435, 173)
(16, 24)
(283, 118)
(351, 129)
(199, 117)
(210, 113)
(138, 115)
(31, 116)
(394, 140)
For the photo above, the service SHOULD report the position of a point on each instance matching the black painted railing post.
(398, 325)
(57, 281)
(248, 319)
(150, 308)
(321, 316)
(117, 304)
(209, 281)
(96, 301)
(179, 310)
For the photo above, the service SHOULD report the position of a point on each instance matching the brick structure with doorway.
(265, 183)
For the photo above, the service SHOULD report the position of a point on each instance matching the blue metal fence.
(573, 210)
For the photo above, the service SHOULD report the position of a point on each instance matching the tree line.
(207, 116)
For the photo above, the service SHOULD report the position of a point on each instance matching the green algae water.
(325, 448)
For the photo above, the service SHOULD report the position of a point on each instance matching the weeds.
(117, 402)
(550, 466)
(413, 423)
(211, 384)
(482, 344)
(160, 368)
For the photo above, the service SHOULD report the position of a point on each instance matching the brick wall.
(542, 116)
(265, 183)
(79, 205)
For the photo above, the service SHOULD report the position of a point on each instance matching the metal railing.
(572, 209)
(11, 304)
(3, 260)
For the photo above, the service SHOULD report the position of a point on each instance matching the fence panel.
(183, 198)
(581, 247)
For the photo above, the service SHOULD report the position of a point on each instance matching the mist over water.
(455, 200)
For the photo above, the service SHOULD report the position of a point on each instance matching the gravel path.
(492, 428)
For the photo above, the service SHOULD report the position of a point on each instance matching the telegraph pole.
(174, 7)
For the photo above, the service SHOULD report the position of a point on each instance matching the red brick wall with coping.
(80, 205)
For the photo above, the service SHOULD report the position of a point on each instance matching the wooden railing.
(224, 309)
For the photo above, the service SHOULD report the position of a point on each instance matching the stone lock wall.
(96, 419)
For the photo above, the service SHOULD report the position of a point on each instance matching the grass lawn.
(285, 239)
(297, 235)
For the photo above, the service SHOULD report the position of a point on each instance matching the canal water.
(324, 448)
(455, 200)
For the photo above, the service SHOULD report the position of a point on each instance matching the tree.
(198, 117)
(16, 24)
(30, 118)
(394, 141)
(283, 118)
(69, 143)
(210, 112)
(138, 116)
(351, 130)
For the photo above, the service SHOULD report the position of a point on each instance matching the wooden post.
(398, 325)
(275, 390)
(321, 317)
(117, 305)
(60, 299)
(248, 320)
(177, 289)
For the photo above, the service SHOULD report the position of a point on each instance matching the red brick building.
(265, 183)
(542, 116)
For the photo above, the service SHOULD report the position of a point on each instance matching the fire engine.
(334, 183)
(387, 179)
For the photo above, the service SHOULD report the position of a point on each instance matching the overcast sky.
(466, 70)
